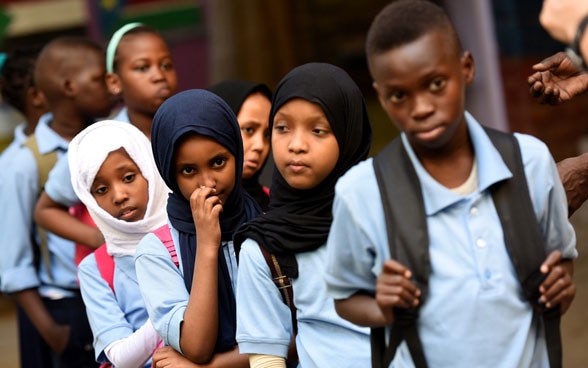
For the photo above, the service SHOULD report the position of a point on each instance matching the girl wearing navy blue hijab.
(197, 148)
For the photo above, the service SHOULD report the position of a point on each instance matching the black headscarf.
(235, 92)
(299, 220)
(204, 113)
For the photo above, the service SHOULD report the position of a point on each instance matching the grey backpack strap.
(526, 248)
(408, 239)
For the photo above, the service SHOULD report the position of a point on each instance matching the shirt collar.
(491, 169)
(47, 139)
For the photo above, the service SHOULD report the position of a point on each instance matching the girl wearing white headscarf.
(123, 334)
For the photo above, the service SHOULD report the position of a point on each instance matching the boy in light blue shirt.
(70, 74)
(475, 313)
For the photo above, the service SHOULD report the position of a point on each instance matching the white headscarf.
(87, 151)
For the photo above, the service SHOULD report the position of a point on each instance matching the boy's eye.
(437, 84)
(396, 96)
(142, 68)
(167, 66)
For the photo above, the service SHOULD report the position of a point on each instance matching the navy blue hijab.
(299, 220)
(204, 113)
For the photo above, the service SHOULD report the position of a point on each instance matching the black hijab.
(204, 113)
(235, 92)
(299, 220)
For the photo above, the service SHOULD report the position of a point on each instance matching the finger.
(393, 266)
(552, 259)
(558, 295)
(553, 280)
(395, 296)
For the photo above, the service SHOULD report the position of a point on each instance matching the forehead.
(433, 52)
(144, 42)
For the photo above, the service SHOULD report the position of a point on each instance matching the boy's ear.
(36, 97)
(468, 67)
(69, 87)
(113, 84)
(380, 98)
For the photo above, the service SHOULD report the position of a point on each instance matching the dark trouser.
(33, 350)
(78, 352)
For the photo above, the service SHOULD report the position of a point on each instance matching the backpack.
(105, 262)
(45, 163)
(408, 241)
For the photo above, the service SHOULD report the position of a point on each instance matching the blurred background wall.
(262, 40)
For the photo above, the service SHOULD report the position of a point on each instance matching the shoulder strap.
(408, 239)
(526, 248)
(105, 265)
(400, 186)
(164, 234)
(283, 283)
(45, 163)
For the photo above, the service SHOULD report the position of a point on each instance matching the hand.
(206, 208)
(557, 80)
(573, 173)
(58, 337)
(168, 357)
(561, 18)
(394, 289)
(558, 287)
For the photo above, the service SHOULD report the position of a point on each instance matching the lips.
(126, 213)
(297, 166)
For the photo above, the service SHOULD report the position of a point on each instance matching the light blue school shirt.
(18, 196)
(476, 314)
(58, 186)
(112, 317)
(264, 324)
(162, 284)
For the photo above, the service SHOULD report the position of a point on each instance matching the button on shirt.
(18, 195)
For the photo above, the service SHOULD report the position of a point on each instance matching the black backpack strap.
(526, 248)
(408, 239)
(284, 285)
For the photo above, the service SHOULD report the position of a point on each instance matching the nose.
(209, 179)
(298, 142)
(157, 73)
(423, 106)
(257, 142)
(119, 194)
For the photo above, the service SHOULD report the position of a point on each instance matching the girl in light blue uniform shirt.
(319, 129)
(114, 175)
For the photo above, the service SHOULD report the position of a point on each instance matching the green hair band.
(113, 44)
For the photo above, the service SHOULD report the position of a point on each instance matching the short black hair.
(17, 75)
(404, 21)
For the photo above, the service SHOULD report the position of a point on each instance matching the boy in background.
(70, 73)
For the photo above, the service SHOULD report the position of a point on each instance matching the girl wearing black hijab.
(198, 152)
(251, 104)
(319, 129)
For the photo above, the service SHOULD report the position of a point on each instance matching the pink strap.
(81, 213)
(105, 265)
(165, 236)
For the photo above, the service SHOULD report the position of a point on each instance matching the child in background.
(140, 71)
(198, 151)
(19, 90)
(251, 103)
(475, 313)
(70, 74)
(114, 175)
(17, 85)
(319, 129)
